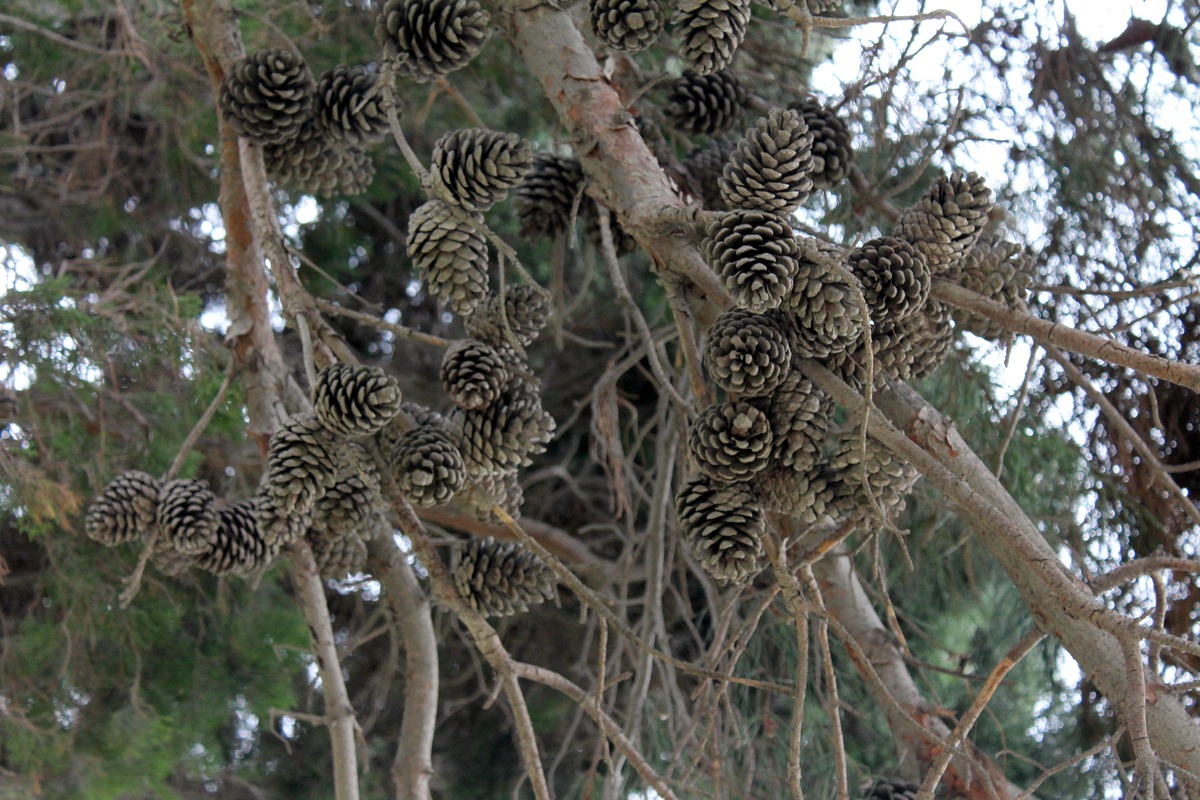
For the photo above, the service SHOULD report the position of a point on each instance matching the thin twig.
(959, 735)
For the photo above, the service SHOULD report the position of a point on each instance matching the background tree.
(173, 292)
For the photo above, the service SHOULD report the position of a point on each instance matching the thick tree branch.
(625, 175)
(1060, 603)
(412, 768)
(214, 29)
(1052, 333)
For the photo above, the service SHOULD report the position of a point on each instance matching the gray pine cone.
(803, 494)
(187, 515)
(486, 489)
(891, 790)
(704, 166)
(279, 529)
(449, 254)
(997, 269)
(730, 441)
(945, 223)
(428, 466)
(800, 414)
(770, 167)
(627, 25)
(832, 152)
(505, 434)
(821, 312)
(722, 525)
(338, 556)
(239, 548)
(913, 349)
(499, 579)
(710, 32)
(303, 460)
(350, 506)
(747, 354)
(525, 310)
(755, 254)
(473, 374)
(705, 104)
(125, 511)
(348, 106)
(355, 401)
(431, 38)
(168, 560)
(267, 96)
(312, 163)
(477, 166)
(895, 278)
(883, 474)
(544, 200)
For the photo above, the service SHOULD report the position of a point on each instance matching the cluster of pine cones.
(769, 446)
(321, 482)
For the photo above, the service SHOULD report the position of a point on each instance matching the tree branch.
(1068, 338)
(412, 767)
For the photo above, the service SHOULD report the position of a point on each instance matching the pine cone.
(279, 529)
(821, 313)
(187, 515)
(338, 556)
(722, 525)
(449, 254)
(126, 510)
(800, 414)
(487, 489)
(355, 401)
(525, 311)
(472, 374)
(544, 200)
(704, 166)
(477, 166)
(999, 270)
(946, 222)
(891, 790)
(350, 507)
(755, 255)
(770, 166)
(428, 466)
(913, 349)
(505, 434)
(431, 38)
(303, 460)
(627, 25)
(832, 152)
(348, 106)
(710, 32)
(747, 354)
(168, 560)
(730, 441)
(895, 278)
(804, 495)
(705, 104)
(268, 96)
(883, 474)
(499, 579)
(239, 548)
(312, 163)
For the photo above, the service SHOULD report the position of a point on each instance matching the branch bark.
(412, 767)
(1061, 604)
(1068, 338)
